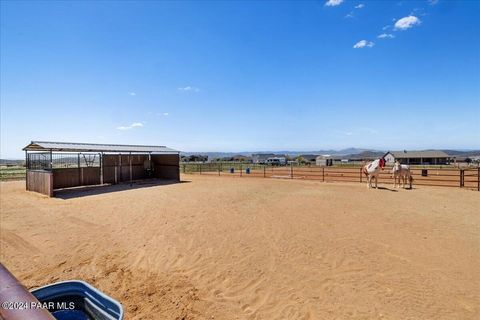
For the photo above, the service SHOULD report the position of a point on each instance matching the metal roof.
(419, 154)
(95, 147)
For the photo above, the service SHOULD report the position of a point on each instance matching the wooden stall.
(58, 165)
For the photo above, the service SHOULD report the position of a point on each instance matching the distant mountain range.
(349, 153)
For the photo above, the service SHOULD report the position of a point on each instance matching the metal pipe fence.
(47, 160)
(423, 176)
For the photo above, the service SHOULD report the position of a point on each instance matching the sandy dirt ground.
(232, 248)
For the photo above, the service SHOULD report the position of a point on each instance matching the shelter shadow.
(85, 191)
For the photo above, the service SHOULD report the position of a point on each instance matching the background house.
(324, 161)
(261, 157)
(429, 157)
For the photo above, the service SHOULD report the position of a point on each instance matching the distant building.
(276, 161)
(431, 157)
(261, 157)
(324, 161)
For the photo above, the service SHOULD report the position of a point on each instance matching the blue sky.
(233, 76)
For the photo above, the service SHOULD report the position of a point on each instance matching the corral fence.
(422, 176)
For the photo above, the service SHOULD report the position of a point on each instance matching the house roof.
(95, 147)
(419, 154)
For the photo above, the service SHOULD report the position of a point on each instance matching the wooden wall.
(74, 177)
(116, 168)
(40, 181)
(167, 166)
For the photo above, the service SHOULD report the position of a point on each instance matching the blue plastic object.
(77, 300)
(247, 171)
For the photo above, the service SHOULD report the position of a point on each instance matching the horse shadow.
(387, 189)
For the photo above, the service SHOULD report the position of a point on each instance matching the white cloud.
(385, 36)
(333, 3)
(133, 125)
(363, 43)
(350, 15)
(407, 23)
(164, 114)
(386, 27)
(359, 6)
(189, 88)
(432, 2)
(132, 93)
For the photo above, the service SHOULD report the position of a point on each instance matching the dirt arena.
(233, 248)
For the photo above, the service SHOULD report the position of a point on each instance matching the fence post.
(291, 170)
(264, 174)
(478, 179)
(200, 168)
(323, 174)
(219, 169)
(241, 169)
(360, 175)
(462, 178)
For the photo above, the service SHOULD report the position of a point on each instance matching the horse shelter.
(58, 165)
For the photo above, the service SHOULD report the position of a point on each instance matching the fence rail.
(432, 176)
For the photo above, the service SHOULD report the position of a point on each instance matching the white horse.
(372, 170)
(402, 174)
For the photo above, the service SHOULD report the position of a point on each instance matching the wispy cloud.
(351, 14)
(407, 23)
(132, 93)
(357, 131)
(345, 133)
(363, 43)
(163, 114)
(432, 2)
(386, 27)
(333, 3)
(133, 125)
(363, 130)
(386, 36)
(189, 89)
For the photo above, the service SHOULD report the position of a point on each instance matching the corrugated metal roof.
(419, 154)
(95, 147)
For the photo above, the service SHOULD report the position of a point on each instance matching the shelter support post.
(26, 171)
(79, 169)
(101, 167)
(130, 165)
